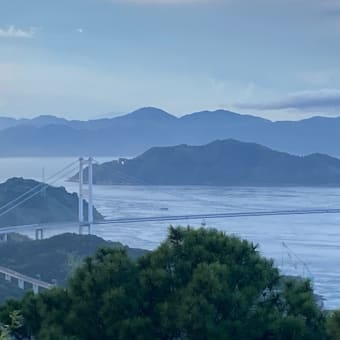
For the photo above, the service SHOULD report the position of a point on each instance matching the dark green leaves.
(199, 284)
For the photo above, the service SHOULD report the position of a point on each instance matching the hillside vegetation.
(50, 205)
(53, 260)
(225, 162)
(198, 284)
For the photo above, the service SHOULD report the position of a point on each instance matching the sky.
(81, 59)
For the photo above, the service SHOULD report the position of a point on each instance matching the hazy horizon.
(111, 115)
(83, 59)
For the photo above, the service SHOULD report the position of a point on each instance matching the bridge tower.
(82, 223)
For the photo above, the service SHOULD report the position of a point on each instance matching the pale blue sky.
(89, 58)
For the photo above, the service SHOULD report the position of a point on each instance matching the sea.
(304, 245)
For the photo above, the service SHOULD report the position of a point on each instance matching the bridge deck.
(220, 215)
(25, 278)
(164, 218)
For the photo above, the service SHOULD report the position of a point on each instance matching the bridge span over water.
(88, 228)
(87, 224)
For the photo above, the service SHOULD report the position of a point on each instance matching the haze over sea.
(300, 245)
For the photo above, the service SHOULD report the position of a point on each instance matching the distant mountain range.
(136, 132)
(227, 162)
(41, 121)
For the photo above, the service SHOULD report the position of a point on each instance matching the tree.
(7, 331)
(333, 325)
(198, 284)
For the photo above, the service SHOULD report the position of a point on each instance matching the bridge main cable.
(21, 199)
(170, 218)
(38, 186)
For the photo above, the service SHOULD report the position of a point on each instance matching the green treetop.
(198, 284)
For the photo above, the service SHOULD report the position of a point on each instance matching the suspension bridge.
(87, 224)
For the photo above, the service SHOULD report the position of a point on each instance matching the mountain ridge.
(134, 133)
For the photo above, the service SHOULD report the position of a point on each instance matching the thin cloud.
(165, 2)
(311, 100)
(325, 4)
(18, 33)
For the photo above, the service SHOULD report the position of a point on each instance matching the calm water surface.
(300, 245)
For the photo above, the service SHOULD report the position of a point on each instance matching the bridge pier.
(35, 289)
(86, 227)
(21, 284)
(4, 237)
(8, 278)
(39, 234)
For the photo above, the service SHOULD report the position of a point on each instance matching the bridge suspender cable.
(69, 169)
(37, 189)
(37, 186)
(36, 193)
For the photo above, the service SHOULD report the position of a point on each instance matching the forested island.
(220, 163)
(50, 204)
